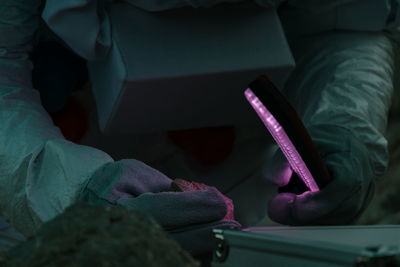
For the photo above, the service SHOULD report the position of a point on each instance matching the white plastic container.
(186, 68)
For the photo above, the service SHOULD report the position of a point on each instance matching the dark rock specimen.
(3, 258)
(87, 235)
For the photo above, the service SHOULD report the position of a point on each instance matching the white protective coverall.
(342, 89)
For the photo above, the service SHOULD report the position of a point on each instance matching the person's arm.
(347, 79)
(41, 172)
(342, 89)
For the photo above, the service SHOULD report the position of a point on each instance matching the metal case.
(328, 246)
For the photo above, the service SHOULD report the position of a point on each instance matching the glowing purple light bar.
(283, 140)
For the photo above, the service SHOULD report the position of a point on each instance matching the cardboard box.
(186, 68)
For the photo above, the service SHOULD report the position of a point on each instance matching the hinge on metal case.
(221, 248)
(379, 256)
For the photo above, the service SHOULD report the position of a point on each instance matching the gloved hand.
(192, 214)
(164, 5)
(339, 202)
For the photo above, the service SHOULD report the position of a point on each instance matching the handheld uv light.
(285, 126)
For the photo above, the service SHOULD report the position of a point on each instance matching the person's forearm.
(15, 76)
(40, 172)
(346, 80)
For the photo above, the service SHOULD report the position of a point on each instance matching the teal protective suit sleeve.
(347, 79)
(41, 172)
(91, 35)
(342, 88)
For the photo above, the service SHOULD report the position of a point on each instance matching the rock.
(88, 235)
(180, 185)
(3, 258)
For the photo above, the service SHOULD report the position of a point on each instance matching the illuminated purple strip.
(283, 140)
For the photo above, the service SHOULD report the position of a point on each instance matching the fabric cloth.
(91, 37)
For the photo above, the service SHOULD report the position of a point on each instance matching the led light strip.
(283, 140)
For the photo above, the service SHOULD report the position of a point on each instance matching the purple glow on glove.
(283, 141)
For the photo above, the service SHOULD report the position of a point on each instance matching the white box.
(186, 68)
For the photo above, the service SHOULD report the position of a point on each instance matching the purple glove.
(343, 199)
(133, 185)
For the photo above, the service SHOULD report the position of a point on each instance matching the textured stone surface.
(3, 258)
(180, 185)
(87, 235)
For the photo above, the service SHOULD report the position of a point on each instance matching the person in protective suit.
(342, 88)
